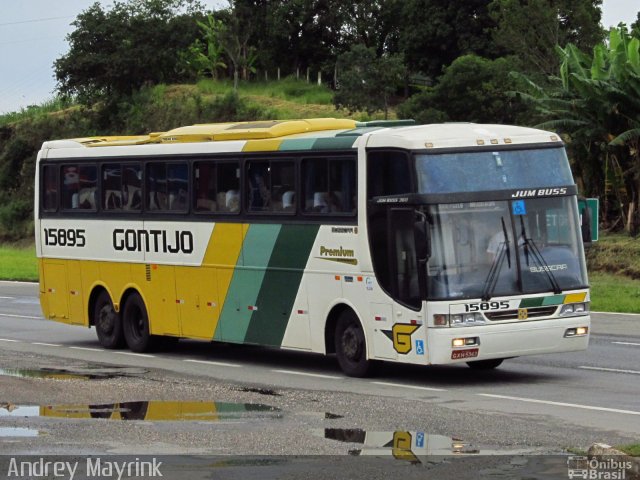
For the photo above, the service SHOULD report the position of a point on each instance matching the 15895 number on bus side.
(64, 237)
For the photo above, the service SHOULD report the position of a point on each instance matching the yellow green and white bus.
(420, 244)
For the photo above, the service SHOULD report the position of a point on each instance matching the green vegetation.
(18, 263)
(633, 449)
(614, 293)
(616, 254)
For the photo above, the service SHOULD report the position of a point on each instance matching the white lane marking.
(627, 343)
(89, 349)
(429, 389)
(615, 370)
(9, 340)
(617, 313)
(133, 354)
(559, 404)
(218, 364)
(7, 298)
(19, 316)
(305, 374)
(46, 344)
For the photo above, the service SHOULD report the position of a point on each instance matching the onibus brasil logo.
(594, 468)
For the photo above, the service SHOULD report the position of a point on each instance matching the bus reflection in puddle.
(193, 411)
(403, 445)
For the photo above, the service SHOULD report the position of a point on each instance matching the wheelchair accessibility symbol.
(419, 347)
(518, 207)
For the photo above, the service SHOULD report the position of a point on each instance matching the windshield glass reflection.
(487, 249)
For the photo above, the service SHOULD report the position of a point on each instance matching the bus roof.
(322, 134)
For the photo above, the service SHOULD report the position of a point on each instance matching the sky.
(32, 37)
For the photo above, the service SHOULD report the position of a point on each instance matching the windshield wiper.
(496, 266)
(529, 243)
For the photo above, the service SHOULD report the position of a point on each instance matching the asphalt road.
(553, 401)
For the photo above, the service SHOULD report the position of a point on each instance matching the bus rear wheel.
(108, 323)
(135, 323)
(351, 346)
(486, 364)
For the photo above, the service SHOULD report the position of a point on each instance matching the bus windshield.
(472, 257)
(497, 170)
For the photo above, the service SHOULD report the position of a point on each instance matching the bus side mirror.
(422, 238)
(585, 227)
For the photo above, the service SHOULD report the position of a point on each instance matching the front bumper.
(510, 340)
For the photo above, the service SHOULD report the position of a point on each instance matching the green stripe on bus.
(281, 284)
(553, 300)
(335, 143)
(245, 285)
(297, 144)
(531, 302)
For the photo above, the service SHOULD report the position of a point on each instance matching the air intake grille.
(533, 312)
(147, 271)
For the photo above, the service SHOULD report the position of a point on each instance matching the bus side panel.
(281, 284)
(160, 298)
(55, 287)
(240, 301)
(44, 300)
(76, 294)
(197, 300)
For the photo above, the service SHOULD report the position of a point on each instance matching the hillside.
(154, 109)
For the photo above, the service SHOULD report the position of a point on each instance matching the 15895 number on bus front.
(64, 237)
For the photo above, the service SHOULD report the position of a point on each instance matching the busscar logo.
(539, 192)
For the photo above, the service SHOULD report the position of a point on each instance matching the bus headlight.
(574, 309)
(458, 320)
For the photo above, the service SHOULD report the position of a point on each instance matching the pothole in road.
(183, 411)
(88, 373)
(261, 391)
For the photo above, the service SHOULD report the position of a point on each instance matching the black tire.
(135, 322)
(351, 346)
(486, 364)
(108, 323)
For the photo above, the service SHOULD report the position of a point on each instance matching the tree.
(530, 29)
(234, 38)
(114, 52)
(206, 56)
(366, 82)
(472, 89)
(596, 103)
(436, 32)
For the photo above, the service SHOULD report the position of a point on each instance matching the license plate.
(468, 353)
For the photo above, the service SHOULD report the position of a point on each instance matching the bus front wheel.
(486, 364)
(135, 323)
(108, 323)
(351, 346)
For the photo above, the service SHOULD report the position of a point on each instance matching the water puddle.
(17, 432)
(406, 445)
(148, 410)
(53, 373)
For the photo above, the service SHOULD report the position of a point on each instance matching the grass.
(50, 106)
(633, 449)
(615, 253)
(18, 263)
(298, 91)
(614, 293)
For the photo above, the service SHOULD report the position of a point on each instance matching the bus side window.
(111, 187)
(131, 187)
(259, 186)
(50, 182)
(329, 185)
(178, 186)
(217, 186)
(387, 174)
(79, 187)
